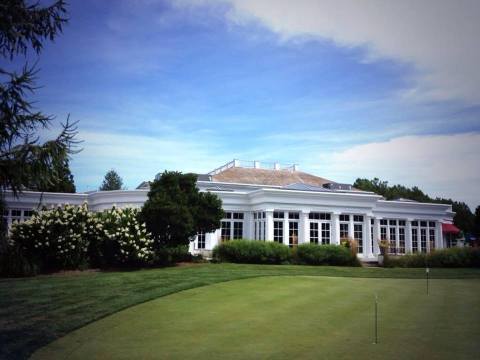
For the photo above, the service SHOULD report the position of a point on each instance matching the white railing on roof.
(254, 164)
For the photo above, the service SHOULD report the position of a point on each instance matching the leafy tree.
(25, 161)
(112, 181)
(463, 215)
(176, 210)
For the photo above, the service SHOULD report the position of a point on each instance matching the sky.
(344, 89)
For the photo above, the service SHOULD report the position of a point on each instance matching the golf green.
(289, 317)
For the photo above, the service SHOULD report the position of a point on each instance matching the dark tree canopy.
(176, 210)
(112, 181)
(463, 218)
(63, 183)
(25, 161)
(476, 223)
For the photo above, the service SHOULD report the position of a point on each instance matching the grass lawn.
(289, 317)
(36, 311)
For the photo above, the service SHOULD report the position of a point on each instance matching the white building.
(286, 205)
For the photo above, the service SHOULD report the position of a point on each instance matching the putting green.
(289, 317)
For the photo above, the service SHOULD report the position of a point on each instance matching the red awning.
(450, 229)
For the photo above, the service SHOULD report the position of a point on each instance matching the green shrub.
(312, 254)
(252, 252)
(452, 257)
(170, 255)
(13, 263)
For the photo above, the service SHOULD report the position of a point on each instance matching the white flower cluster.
(60, 235)
(122, 227)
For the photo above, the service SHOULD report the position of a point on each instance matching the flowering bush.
(57, 238)
(71, 237)
(125, 240)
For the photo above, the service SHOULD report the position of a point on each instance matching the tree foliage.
(112, 181)
(476, 223)
(176, 210)
(63, 182)
(463, 215)
(25, 161)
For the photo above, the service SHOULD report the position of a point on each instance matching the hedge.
(312, 254)
(252, 252)
(452, 257)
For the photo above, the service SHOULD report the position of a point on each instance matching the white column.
(269, 225)
(335, 237)
(408, 237)
(251, 226)
(285, 228)
(376, 236)
(350, 226)
(439, 235)
(367, 251)
(303, 231)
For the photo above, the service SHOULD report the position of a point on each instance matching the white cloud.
(440, 37)
(441, 165)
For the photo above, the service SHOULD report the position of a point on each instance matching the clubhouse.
(271, 202)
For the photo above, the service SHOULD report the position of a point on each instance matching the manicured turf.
(289, 318)
(36, 311)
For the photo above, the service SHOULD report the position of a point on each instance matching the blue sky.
(189, 85)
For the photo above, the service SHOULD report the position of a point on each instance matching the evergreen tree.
(63, 182)
(112, 181)
(25, 161)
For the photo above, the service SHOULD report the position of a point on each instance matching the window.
(232, 225)
(278, 214)
(27, 214)
(314, 232)
(238, 215)
(414, 240)
(383, 233)
(358, 218)
(431, 224)
(431, 232)
(278, 231)
(319, 216)
(401, 240)
(201, 240)
(423, 223)
(293, 215)
(238, 230)
(225, 232)
(343, 230)
(392, 222)
(423, 239)
(293, 233)
(383, 222)
(358, 236)
(344, 217)
(392, 246)
(325, 233)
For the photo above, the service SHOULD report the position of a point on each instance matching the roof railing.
(254, 165)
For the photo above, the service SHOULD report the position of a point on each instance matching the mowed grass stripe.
(289, 317)
(36, 311)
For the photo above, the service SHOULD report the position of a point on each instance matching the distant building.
(284, 204)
